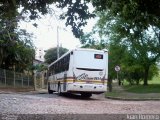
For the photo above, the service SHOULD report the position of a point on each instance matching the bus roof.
(89, 49)
(77, 49)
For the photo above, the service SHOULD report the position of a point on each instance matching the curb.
(133, 99)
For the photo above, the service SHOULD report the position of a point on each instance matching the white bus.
(83, 71)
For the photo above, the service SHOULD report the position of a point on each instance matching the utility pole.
(57, 42)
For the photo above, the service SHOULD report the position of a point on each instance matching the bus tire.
(86, 95)
(49, 90)
(59, 89)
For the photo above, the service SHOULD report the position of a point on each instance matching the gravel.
(54, 104)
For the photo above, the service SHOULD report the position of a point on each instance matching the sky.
(45, 35)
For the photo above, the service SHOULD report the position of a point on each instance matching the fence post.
(14, 78)
(35, 72)
(28, 80)
(42, 82)
(5, 77)
(22, 78)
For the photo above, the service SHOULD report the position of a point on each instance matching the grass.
(153, 86)
(155, 80)
(137, 91)
(113, 94)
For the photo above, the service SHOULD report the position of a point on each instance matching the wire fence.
(14, 79)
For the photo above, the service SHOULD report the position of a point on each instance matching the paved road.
(34, 103)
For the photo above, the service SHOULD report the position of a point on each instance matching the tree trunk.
(146, 71)
(109, 84)
(137, 82)
(1, 57)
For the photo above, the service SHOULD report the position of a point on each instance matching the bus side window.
(53, 72)
(62, 67)
(67, 64)
(58, 67)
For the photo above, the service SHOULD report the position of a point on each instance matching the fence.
(14, 79)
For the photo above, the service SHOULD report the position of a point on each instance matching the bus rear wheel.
(59, 90)
(49, 90)
(86, 95)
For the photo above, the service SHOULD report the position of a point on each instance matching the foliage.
(40, 67)
(135, 13)
(141, 13)
(137, 16)
(17, 51)
(89, 40)
(141, 43)
(131, 17)
(51, 54)
(29, 7)
(75, 15)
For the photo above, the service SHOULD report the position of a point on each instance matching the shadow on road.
(74, 96)
(65, 95)
(79, 97)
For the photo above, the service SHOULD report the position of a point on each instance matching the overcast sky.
(45, 35)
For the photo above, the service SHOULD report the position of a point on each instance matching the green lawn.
(152, 88)
(137, 91)
(155, 80)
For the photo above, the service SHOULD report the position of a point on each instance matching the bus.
(82, 71)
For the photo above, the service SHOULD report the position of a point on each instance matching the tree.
(134, 26)
(142, 45)
(147, 51)
(16, 51)
(93, 40)
(122, 53)
(76, 13)
(140, 13)
(51, 54)
(40, 67)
